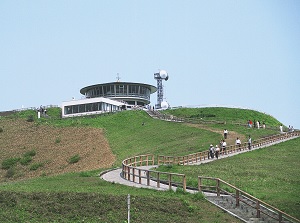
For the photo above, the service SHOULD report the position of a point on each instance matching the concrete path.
(115, 174)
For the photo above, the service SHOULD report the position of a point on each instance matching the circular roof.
(87, 88)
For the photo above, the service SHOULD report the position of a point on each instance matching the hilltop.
(104, 141)
(101, 142)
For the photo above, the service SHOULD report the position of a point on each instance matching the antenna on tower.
(161, 75)
(118, 77)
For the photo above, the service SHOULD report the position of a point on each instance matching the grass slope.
(78, 197)
(225, 114)
(127, 137)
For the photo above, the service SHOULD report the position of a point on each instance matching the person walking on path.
(225, 133)
(249, 142)
(281, 128)
(238, 143)
(211, 151)
(217, 151)
(224, 144)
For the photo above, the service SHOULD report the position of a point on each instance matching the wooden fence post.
(218, 187)
(184, 183)
(148, 177)
(170, 181)
(280, 217)
(237, 198)
(133, 174)
(128, 172)
(199, 184)
(257, 209)
(140, 178)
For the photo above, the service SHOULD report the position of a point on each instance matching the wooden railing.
(132, 172)
(133, 169)
(199, 156)
(220, 187)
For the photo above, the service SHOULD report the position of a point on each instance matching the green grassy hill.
(229, 115)
(75, 197)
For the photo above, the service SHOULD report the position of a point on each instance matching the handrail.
(199, 156)
(260, 206)
(132, 172)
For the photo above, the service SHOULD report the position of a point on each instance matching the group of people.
(41, 110)
(256, 124)
(217, 150)
(290, 128)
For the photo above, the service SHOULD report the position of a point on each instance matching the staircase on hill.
(247, 213)
(156, 114)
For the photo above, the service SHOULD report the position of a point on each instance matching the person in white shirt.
(238, 143)
(224, 144)
(249, 142)
(281, 128)
(225, 133)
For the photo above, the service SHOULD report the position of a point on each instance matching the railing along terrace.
(132, 171)
(261, 208)
(230, 149)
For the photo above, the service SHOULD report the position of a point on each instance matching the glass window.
(133, 90)
(68, 110)
(119, 89)
(81, 108)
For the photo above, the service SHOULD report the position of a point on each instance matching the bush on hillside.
(25, 160)
(30, 153)
(74, 159)
(35, 166)
(30, 118)
(10, 162)
(10, 172)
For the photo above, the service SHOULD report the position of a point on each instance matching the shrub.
(74, 159)
(10, 172)
(25, 160)
(1, 129)
(30, 118)
(30, 153)
(35, 166)
(8, 163)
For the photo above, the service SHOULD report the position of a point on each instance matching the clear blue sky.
(240, 53)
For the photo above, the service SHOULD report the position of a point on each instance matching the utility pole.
(128, 204)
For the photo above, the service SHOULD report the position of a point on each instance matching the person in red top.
(250, 123)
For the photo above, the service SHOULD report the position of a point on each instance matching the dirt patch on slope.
(231, 137)
(54, 147)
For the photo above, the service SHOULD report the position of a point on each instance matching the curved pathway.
(115, 174)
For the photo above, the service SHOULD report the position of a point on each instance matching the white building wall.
(107, 106)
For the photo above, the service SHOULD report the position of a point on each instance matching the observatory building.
(108, 97)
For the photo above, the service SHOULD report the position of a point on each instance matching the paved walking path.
(115, 174)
